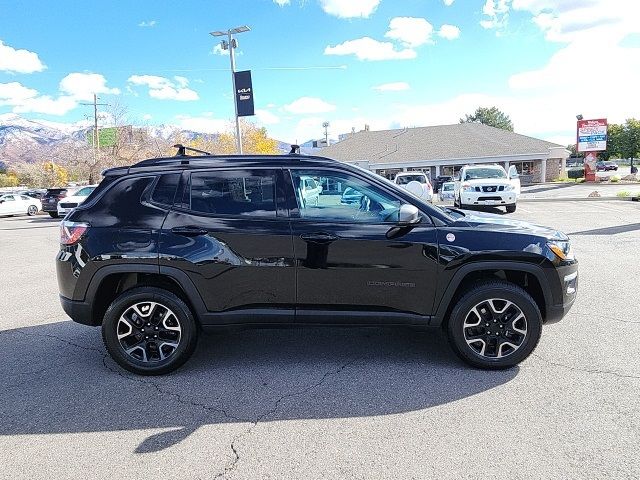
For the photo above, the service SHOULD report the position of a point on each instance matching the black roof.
(208, 161)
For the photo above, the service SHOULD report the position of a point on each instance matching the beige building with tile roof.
(443, 149)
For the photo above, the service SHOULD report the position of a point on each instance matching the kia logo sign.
(244, 93)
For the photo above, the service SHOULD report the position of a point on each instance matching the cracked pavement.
(327, 403)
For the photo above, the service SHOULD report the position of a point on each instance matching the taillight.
(72, 232)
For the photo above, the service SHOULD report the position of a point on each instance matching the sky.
(382, 63)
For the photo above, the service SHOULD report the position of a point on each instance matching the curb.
(578, 199)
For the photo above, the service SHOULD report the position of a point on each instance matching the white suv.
(416, 183)
(487, 185)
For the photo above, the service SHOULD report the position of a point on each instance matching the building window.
(523, 168)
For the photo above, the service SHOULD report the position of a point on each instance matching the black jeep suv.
(171, 246)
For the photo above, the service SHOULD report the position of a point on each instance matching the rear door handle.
(319, 237)
(189, 231)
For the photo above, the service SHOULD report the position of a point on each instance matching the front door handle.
(319, 237)
(189, 231)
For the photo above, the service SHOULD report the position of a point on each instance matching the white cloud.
(217, 50)
(202, 124)
(450, 32)
(307, 105)
(26, 100)
(164, 89)
(147, 116)
(265, 117)
(150, 23)
(366, 48)
(14, 93)
(19, 61)
(82, 86)
(45, 104)
(411, 31)
(282, 3)
(496, 13)
(448, 3)
(392, 87)
(349, 8)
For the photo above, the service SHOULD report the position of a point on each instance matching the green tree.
(490, 116)
(614, 142)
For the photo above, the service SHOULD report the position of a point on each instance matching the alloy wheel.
(149, 332)
(495, 328)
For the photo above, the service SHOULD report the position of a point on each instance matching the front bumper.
(488, 198)
(569, 284)
(80, 312)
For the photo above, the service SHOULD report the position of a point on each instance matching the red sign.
(592, 135)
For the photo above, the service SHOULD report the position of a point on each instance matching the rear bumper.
(80, 312)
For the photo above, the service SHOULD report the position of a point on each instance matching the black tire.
(511, 208)
(456, 203)
(502, 291)
(186, 343)
(53, 214)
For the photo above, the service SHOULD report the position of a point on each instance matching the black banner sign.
(244, 93)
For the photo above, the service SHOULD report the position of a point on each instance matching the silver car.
(446, 192)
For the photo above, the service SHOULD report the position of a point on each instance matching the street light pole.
(231, 45)
(232, 59)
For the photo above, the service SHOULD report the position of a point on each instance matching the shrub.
(575, 173)
(615, 179)
(624, 194)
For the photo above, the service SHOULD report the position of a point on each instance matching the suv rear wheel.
(495, 325)
(53, 214)
(511, 208)
(149, 331)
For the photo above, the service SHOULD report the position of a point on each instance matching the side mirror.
(408, 214)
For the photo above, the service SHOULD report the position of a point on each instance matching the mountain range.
(17, 130)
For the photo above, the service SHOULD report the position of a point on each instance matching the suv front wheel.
(149, 331)
(495, 325)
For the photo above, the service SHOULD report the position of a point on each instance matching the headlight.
(467, 188)
(508, 188)
(561, 249)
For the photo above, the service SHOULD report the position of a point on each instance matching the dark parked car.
(605, 166)
(171, 246)
(51, 198)
(439, 181)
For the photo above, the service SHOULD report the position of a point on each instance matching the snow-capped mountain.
(16, 130)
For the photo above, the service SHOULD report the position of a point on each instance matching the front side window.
(341, 197)
(234, 192)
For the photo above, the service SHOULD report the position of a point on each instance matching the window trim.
(184, 192)
(294, 210)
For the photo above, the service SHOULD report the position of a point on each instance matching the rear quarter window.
(164, 191)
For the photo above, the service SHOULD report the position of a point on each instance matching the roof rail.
(182, 150)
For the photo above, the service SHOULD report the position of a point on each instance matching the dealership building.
(443, 149)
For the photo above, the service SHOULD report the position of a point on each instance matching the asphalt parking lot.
(328, 403)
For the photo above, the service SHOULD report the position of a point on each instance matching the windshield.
(85, 192)
(404, 179)
(478, 173)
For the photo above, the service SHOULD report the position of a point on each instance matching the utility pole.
(231, 44)
(96, 135)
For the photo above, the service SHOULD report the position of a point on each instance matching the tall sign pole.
(232, 59)
(231, 44)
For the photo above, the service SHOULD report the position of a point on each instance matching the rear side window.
(234, 192)
(102, 186)
(165, 189)
(54, 192)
